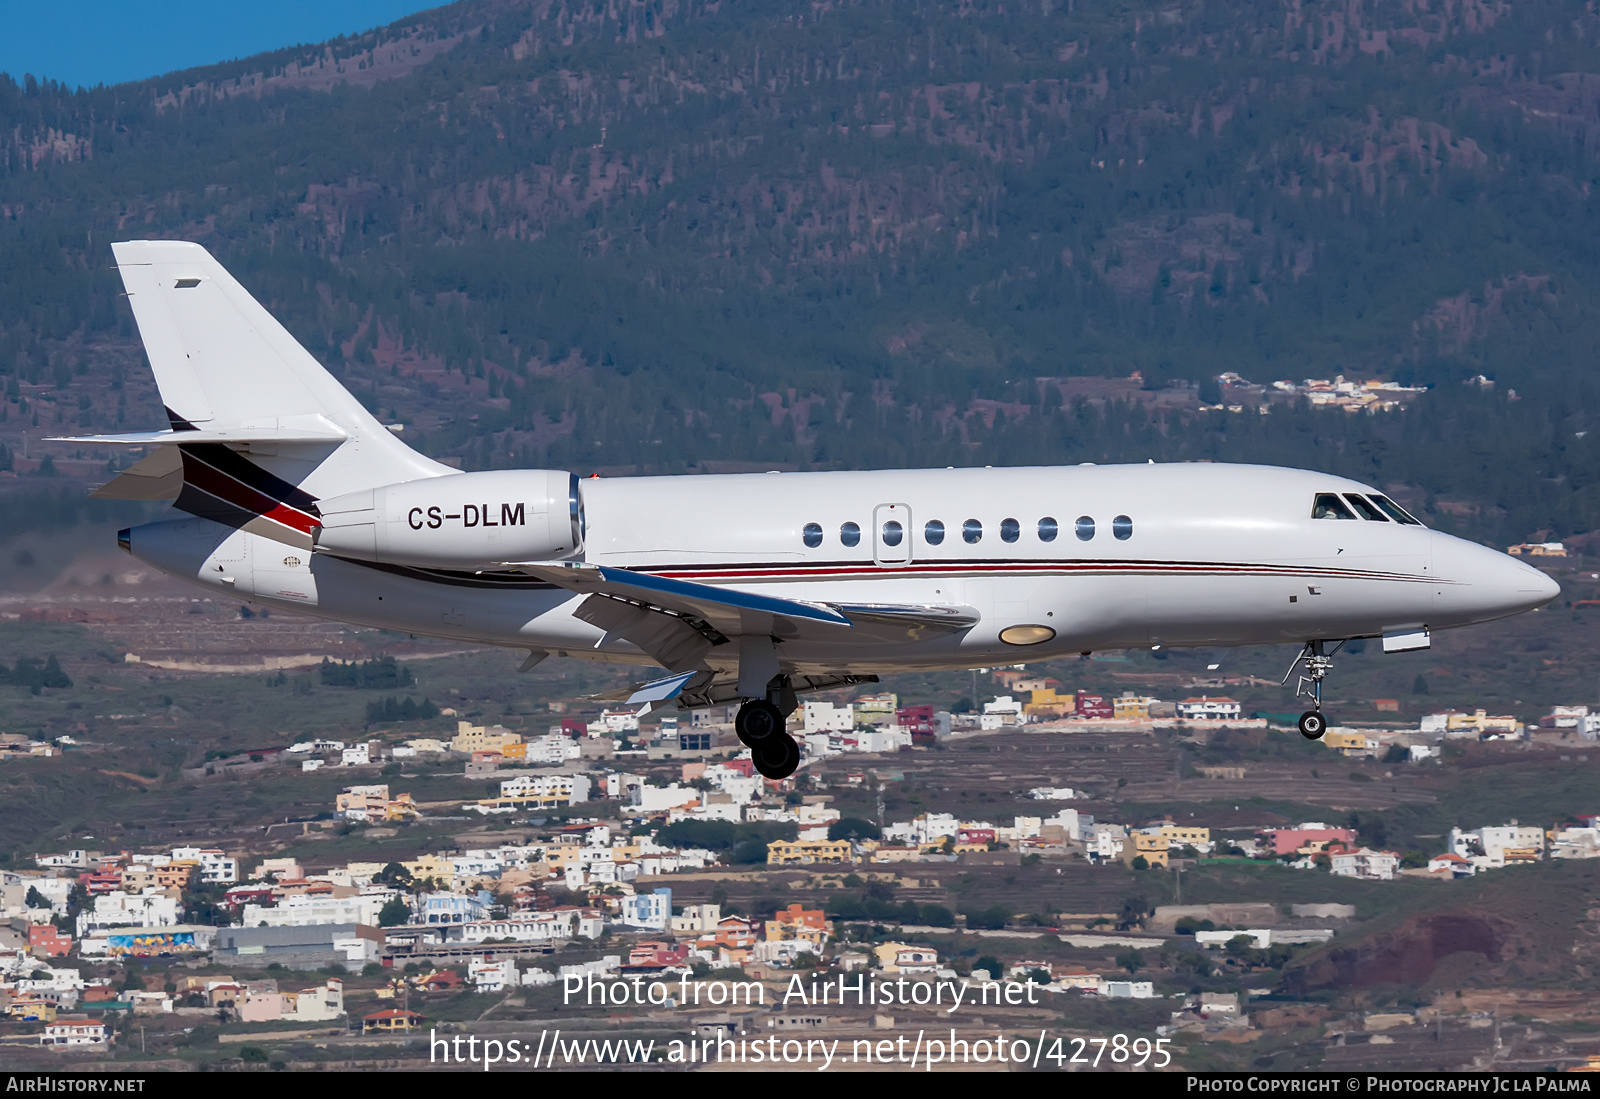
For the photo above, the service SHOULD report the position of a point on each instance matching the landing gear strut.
(759, 725)
(1318, 663)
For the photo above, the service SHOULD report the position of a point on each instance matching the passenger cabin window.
(933, 533)
(812, 535)
(893, 532)
(1395, 511)
(1122, 528)
(850, 534)
(1327, 505)
(972, 532)
(1010, 530)
(1048, 529)
(1084, 528)
(1364, 508)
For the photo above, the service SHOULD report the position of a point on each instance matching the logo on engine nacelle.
(470, 515)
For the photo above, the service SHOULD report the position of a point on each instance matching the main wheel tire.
(776, 757)
(756, 721)
(1313, 724)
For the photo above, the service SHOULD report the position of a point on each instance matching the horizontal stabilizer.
(277, 434)
(157, 476)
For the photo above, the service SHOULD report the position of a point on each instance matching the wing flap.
(730, 612)
(674, 641)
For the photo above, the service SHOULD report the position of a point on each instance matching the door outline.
(890, 556)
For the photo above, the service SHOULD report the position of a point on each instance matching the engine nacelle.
(459, 521)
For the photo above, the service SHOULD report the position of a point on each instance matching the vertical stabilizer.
(224, 364)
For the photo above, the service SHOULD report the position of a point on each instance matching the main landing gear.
(759, 725)
(1318, 663)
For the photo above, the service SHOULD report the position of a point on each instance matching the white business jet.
(755, 587)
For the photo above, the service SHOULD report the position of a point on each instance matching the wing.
(680, 623)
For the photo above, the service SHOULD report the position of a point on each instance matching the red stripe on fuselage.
(1024, 568)
(230, 490)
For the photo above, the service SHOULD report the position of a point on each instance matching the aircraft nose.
(1478, 584)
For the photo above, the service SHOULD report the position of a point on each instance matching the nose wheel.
(759, 726)
(1318, 662)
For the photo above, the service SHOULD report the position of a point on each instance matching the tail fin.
(259, 430)
(229, 371)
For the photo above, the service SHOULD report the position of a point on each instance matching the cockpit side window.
(1396, 512)
(1327, 505)
(1364, 508)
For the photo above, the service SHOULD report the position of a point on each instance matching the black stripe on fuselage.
(233, 464)
(499, 581)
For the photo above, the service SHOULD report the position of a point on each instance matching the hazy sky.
(93, 42)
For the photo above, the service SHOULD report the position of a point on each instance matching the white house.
(698, 918)
(1105, 844)
(658, 799)
(75, 1032)
(303, 910)
(1366, 863)
(877, 740)
(215, 867)
(1137, 990)
(449, 908)
(1575, 843)
(551, 748)
(493, 976)
(1207, 708)
(651, 911)
(1451, 865)
(1006, 708)
(1495, 845)
(151, 908)
(556, 925)
(825, 717)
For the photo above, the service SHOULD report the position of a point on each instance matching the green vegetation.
(35, 675)
(392, 709)
(853, 828)
(737, 843)
(384, 672)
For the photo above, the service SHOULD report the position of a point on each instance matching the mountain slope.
(674, 236)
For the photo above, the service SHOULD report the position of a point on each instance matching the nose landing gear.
(1318, 663)
(759, 726)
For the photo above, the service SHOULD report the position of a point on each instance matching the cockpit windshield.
(1367, 510)
(1373, 508)
(1395, 511)
(1327, 505)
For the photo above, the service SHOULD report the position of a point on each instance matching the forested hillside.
(678, 235)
